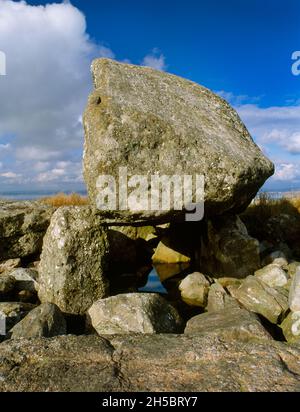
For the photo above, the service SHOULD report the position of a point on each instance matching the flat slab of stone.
(148, 363)
(155, 123)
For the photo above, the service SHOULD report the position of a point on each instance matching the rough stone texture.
(8, 265)
(257, 297)
(22, 228)
(218, 299)
(45, 320)
(232, 323)
(14, 312)
(25, 279)
(294, 295)
(194, 289)
(72, 271)
(148, 363)
(291, 327)
(134, 313)
(272, 275)
(156, 123)
(7, 285)
(166, 253)
(228, 250)
(292, 268)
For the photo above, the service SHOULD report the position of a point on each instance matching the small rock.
(273, 275)
(292, 268)
(134, 313)
(232, 322)
(218, 299)
(7, 284)
(26, 279)
(8, 265)
(26, 296)
(229, 282)
(291, 327)
(258, 297)
(14, 312)
(277, 257)
(45, 320)
(294, 295)
(167, 253)
(194, 289)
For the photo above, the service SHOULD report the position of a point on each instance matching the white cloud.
(10, 175)
(156, 60)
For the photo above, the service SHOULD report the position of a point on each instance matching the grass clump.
(63, 199)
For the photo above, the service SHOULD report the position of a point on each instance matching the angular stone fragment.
(74, 261)
(257, 297)
(157, 124)
(7, 266)
(273, 275)
(25, 279)
(218, 299)
(45, 320)
(134, 313)
(294, 295)
(13, 312)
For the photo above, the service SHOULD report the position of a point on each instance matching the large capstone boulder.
(22, 228)
(227, 249)
(134, 313)
(150, 123)
(72, 271)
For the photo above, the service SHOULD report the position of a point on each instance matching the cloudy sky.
(240, 49)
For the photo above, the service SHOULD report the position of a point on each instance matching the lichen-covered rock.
(291, 327)
(155, 123)
(148, 363)
(166, 253)
(227, 250)
(273, 275)
(293, 267)
(194, 289)
(257, 297)
(22, 228)
(232, 322)
(134, 313)
(74, 260)
(45, 320)
(294, 295)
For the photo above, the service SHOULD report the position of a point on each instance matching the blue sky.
(239, 48)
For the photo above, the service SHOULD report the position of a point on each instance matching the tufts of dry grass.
(62, 199)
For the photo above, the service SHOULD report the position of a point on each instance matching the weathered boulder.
(194, 289)
(72, 271)
(148, 363)
(157, 124)
(134, 313)
(273, 275)
(257, 297)
(232, 323)
(228, 250)
(13, 312)
(292, 268)
(45, 320)
(294, 295)
(22, 228)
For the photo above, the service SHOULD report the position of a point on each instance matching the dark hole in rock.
(75, 324)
